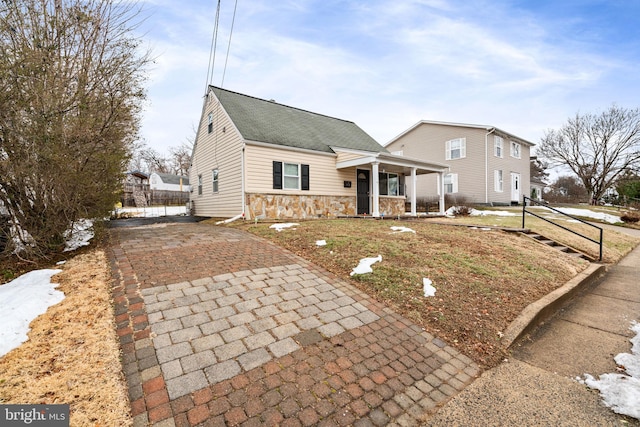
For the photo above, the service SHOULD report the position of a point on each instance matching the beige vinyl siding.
(221, 150)
(509, 165)
(428, 142)
(324, 178)
(476, 178)
(343, 156)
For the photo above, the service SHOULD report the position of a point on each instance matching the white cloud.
(384, 65)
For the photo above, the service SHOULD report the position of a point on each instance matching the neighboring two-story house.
(487, 165)
(261, 159)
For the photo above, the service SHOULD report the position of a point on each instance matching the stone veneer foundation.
(282, 206)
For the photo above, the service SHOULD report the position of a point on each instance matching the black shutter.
(277, 175)
(304, 184)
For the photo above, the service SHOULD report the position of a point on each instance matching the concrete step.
(555, 245)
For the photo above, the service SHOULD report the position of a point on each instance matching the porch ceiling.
(392, 163)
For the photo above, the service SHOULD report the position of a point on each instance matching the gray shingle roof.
(168, 178)
(267, 121)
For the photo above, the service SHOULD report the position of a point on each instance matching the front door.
(363, 192)
(515, 187)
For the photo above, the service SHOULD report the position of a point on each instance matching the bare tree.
(538, 170)
(155, 162)
(146, 159)
(566, 189)
(597, 148)
(71, 88)
(181, 158)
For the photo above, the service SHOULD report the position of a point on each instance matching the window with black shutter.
(304, 178)
(277, 175)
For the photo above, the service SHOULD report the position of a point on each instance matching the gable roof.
(487, 128)
(267, 121)
(168, 178)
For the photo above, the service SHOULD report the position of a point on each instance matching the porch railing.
(531, 201)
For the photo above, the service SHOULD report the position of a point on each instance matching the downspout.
(486, 165)
(242, 181)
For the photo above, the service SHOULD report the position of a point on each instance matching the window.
(456, 149)
(390, 184)
(498, 143)
(290, 176)
(214, 179)
(515, 150)
(497, 183)
(451, 183)
(199, 185)
(210, 123)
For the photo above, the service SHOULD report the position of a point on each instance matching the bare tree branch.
(597, 148)
(71, 89)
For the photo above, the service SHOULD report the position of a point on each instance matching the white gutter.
(486, 165)
(242, 191)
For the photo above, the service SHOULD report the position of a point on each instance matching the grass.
(72, 355)
(484, 279)
(615, 246)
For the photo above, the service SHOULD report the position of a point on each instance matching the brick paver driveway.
(219, 327)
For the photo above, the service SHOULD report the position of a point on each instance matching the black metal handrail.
(532, 201)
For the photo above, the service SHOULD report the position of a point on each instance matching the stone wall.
(392, 206)
(282, 206)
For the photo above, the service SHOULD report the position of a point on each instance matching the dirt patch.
(72, 355)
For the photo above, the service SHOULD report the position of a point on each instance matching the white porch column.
(376, 190)
(414, 191)
(441, 192)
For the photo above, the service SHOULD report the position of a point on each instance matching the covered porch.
(383, 168)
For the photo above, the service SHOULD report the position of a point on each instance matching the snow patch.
(427, 286)
(398, 229)
(474, 212)
(621, 391)
(22, 300)
(282, 226)
(79, 235)
(365, 265)
(588, 213)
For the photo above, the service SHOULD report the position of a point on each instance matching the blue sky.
(522, 66)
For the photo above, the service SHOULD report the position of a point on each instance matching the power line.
(233, 20)
(212, 50)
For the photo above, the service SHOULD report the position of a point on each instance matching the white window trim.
(498, 176)
(463, 148)
(285, 176)
(389, 176)
(513, 151)
(215, 180)
(498, 144)
(454, 183)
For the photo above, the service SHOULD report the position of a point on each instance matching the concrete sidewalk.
(219, 327)
(537, 386)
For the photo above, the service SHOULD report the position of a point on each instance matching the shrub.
(630, 217)
(461, 210)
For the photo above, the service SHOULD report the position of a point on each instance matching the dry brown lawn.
(72, 355)
(484, 279)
